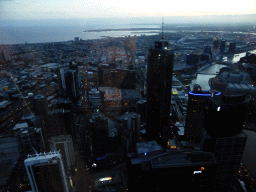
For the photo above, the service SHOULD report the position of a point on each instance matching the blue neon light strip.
(203, 94)
(100, 158)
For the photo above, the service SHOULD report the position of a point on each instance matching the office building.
(208, 50)
(104, 76)
(10, 162)
(40, 106)
(31, 140)
(227, 109)
(61, 78)
(59, 123)
(6, 56)
(192, 59)
(130, 131)
(228, 152)
(46, 172)
(224, 137)
(123, 78)
(216, 44)
(197, 102)
(71, 85)
(222, 46)
(232, 47)
(141, 108)
(98, 127)
(64, 144)
(67, 106)
(180, 169)
(159, 85)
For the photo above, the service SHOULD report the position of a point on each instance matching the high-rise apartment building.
(159, 86)
(46, 172)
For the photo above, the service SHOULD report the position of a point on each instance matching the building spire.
(162, 28)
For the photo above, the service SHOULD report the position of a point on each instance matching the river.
(249, 155)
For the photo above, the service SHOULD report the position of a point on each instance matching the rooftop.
(20, 126)
(179, 158)
(147, 147)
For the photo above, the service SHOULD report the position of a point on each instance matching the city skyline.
(123, 102)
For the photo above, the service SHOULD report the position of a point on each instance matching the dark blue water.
(15, 34)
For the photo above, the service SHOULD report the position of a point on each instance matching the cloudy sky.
(48, 9)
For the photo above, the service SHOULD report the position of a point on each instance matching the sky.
(64, 9)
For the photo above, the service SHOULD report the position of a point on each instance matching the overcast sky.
(47, 9)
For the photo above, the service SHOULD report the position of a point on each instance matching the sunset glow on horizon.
(31, 9)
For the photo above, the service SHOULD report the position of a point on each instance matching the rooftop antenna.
(162, 28)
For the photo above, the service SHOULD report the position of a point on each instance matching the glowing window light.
(202, 168)
(195, 172)
(204, 94)
(100, 158)
(105, 179)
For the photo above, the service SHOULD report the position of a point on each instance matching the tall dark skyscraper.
(216, 44)
(159, 86)
(70, 84)
(232, 47)
(222, 46)
(197, 102)
(40, 106)
(224, 136)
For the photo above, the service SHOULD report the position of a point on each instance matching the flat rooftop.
(180, 158)
(20, 126)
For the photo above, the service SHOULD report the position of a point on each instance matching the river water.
(249, 155)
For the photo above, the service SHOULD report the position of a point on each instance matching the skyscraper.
(61, 78)
(159, 85)
(130, 131)
(64, 144)
(197, 102)
(216, 44)
(222, 46)
(70, 85)
(59, 123)
(40, 105)
(232, 47)
(225, 115)
(46, 172)
(98, 125)
(224, 136)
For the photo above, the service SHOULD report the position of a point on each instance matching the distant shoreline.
(124, 29)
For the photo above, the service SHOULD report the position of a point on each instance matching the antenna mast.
(162, 28)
